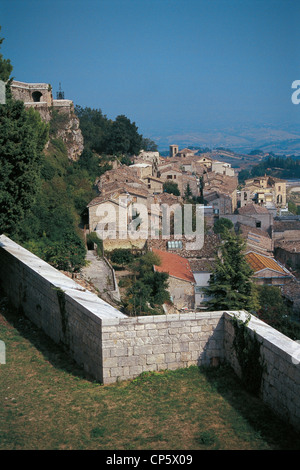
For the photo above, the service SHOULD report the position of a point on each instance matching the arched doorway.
(36, 96)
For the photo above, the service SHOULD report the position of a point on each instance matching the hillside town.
(136, 202)
(150, 256)
(257, 210)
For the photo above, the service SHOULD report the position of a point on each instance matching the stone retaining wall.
(280, 356)
(131, 346)
(111, 346)
(65, 311)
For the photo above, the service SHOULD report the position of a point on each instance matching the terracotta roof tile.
(174, 265)
(259, 262)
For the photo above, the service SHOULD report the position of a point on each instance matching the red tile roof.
(174, 265)
(259, 262)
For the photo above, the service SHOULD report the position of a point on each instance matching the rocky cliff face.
(69, 131)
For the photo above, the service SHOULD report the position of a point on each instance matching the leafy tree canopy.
(148, 291)
(23, 136)
(171, 187)
(222, 225)
(6, 67)
(149, 145)
(278, 166)
(275, 311)
(107, 137)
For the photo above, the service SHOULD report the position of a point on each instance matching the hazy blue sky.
(169, 65)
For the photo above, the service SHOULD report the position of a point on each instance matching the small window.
(36, 96)
(258, 224)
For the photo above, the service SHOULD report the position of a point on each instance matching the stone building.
(222, 168)
(220, 203)
(205, 161)
(288, 253)
(267, 270)
(173, 150)
(185, 153)
(112, 214)
(142, 169)
(244, 198)
(213, 182)
(155, 185)
(256, 239)
(286, 229)
(254, 216)
(267, 190)
(39, 96)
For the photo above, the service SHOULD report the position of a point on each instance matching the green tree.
(5, 66)
(50, 229)
(222, 225)
(95, 128)
(148, 291)
(23, 136)
(171, 187)
(230, 285)
(66, 254)
(188, 192)
(124, 137)
(149, 145)
(121, 256)
(275, 311)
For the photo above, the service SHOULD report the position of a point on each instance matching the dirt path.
(98, 273)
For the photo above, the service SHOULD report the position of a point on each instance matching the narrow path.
(98, 273)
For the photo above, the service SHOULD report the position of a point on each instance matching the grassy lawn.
(46, 402)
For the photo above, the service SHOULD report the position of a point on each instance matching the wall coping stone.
(91, 302)
(275, 338)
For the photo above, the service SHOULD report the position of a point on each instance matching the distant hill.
(240, 140)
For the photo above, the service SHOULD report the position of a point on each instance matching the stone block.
(155, 359)
(110, 362)
(172, 365)
(170, 357)
(162, 348)
(123, 351)
(142, 333)
(135, 370)
(122, 372)
(145, 349)
(150, 326)
(146, 319)
(127, 361)
(194, 346)
(185, 356)
(196, 329)
(129, 334)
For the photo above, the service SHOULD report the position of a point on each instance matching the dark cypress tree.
(23, 136)
(231, 285)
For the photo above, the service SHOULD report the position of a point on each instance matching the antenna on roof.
(60, 94)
